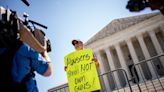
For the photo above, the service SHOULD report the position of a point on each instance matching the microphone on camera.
(26, 2)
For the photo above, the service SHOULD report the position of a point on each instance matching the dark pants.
(96, 91)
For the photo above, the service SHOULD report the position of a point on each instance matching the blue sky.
(67, 20)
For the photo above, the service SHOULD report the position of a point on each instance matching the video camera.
(13, 29)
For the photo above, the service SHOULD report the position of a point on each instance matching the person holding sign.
(79, 46)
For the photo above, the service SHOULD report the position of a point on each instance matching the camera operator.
(24, 63)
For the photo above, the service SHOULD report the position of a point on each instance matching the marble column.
(102, 68)
(135, 59)
(162, 28)
(112, 67)
(122, 60)
(156, 44)
(146, 54)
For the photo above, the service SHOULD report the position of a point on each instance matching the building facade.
(125, 42)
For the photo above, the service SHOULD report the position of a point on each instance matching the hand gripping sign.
(81, 71)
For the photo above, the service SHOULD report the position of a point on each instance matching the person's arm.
(95, 60)
(47, 58)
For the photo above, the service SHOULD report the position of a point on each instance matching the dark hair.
(75, 42)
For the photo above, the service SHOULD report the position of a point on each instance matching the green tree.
(139, 5)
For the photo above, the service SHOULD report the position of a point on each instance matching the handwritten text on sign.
(81, 71)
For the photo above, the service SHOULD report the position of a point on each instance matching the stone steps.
(149, 86)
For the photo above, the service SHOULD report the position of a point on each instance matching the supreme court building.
(127, 41)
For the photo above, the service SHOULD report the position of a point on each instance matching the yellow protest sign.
(81, 71)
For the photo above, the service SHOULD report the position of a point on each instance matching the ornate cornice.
(118, 25)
